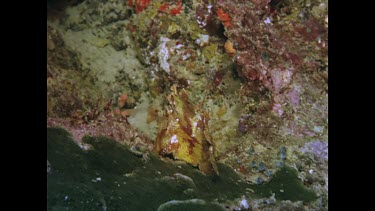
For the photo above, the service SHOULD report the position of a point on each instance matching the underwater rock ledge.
(110, 172)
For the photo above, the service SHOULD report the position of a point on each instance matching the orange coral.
(117, 111)
(163, 7)
(229, 47)
(125, 113)
(173, 11)
(177, 10)
(223, 17)
(139, 5)
(122, 100)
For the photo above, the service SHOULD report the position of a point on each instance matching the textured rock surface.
(258, 69)
(110, 175)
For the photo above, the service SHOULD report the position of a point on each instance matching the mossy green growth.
(286, 180)
(110, 176)
(188, 205)
(210, 51)
(173, 28)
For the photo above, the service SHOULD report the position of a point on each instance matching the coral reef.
(209, 82)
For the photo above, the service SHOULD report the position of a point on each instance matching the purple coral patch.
(293, 97)
(280, 79)
(318, 148)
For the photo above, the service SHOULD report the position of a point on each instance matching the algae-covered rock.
(109, 171)
(251, 77)
(110, 175)
(287, 186)
(187, 205)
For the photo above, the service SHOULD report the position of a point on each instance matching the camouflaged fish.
(185, 134)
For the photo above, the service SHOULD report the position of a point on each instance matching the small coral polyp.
(184, 134)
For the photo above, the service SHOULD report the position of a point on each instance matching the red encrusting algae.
(172, 11)
(223, 17)
(176, 11)
(139, 5)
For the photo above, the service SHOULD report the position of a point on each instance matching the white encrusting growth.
(244, 203)
(164, 54)
(199, 117)
(202, 40)
(267, 21)
(174, 139)
(185, 56)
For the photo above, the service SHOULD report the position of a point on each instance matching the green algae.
(287, 186)
(210, 51)
(110, 176)
(193, 204)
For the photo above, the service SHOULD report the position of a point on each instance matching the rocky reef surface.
(226, 99)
